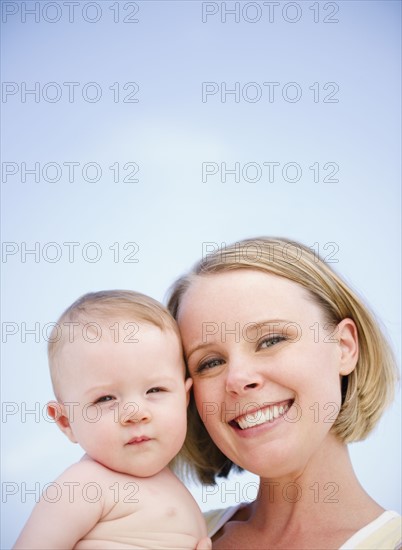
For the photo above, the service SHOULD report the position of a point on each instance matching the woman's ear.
(187, 384)
(58, 412)
(349, 346)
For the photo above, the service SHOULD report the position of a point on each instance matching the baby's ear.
(58, 412)
(187, 384)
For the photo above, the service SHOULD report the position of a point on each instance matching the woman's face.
(266, 368)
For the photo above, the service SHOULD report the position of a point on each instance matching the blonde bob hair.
(366, 391)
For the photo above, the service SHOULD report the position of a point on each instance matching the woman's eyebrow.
(269, 322)
(196, 348)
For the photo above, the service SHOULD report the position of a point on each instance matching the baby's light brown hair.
(99, 308)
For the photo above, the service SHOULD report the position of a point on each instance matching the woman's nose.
(134, 412)
(241, 377)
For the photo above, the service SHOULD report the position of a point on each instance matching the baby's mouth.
(139, 439)
(261, 416)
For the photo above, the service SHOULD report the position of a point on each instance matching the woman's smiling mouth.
(262, 416)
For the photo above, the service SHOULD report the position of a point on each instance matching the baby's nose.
(135, 412)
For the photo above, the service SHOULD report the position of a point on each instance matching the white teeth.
(269, 414)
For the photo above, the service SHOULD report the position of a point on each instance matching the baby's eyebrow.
(97, 389)
(161, 380)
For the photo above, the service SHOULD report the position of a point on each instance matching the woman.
(288, 366)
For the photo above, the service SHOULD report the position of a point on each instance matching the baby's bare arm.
(204, 544)
(59, 524)
(131, 512)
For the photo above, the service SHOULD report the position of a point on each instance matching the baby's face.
(127, 399)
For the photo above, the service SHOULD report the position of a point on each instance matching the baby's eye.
(157, 389)
(104, 399)
(209, 364)
(271, 341)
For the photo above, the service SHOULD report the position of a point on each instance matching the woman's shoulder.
(216, 519)
(384, 533)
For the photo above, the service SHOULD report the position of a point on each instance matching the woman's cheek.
(205, 399)
(198, 393)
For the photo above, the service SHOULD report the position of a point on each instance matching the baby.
(119, 379)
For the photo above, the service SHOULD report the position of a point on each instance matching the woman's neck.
(325, 494)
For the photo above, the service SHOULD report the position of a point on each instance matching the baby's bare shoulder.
(86, 468)
(89, 480)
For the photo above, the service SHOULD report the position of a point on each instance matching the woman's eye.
(210, 364)
(271, 341)
(104, 399)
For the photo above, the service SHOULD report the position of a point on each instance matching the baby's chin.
(144, 472)
(141, 459)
